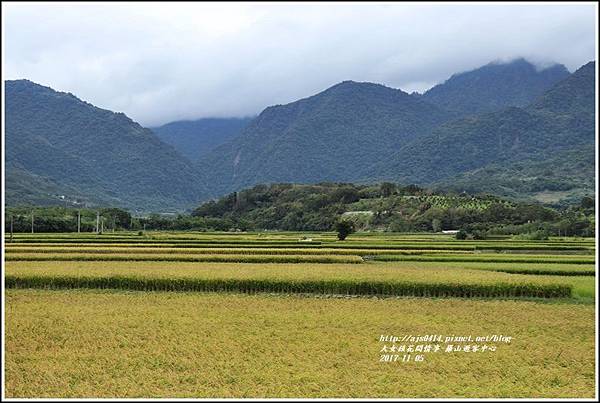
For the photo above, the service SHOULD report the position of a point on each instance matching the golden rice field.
(295, 315)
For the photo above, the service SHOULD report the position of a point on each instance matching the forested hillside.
(84, 153)
(533, 179)
(559, 121)
(495, 86)
(334, 135)
(388, 206)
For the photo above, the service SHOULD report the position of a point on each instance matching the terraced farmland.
(270, 304)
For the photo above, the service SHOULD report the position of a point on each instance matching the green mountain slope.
(560, 120)
(26, 188)
(533, 179)
(331, 136)
(196, 138)
(494, 87)
(105, 156)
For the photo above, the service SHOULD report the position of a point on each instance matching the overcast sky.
(160, 62)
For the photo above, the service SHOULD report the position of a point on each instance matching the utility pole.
(32, 221)
(97, 222)
(78, 221)
(102, 225)
(11, 228)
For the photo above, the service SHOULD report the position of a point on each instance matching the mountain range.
(196, 138)
(506, 128)
(560, 119)
(332, 136)
(363, 132)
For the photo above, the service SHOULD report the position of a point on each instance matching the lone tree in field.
(461, 235)
(344, 228)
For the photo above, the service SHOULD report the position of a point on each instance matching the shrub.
(461, 235)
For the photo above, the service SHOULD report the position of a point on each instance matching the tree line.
(321, 207)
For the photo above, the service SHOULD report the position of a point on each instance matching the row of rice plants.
(409, 244)
(184, 258)
(295, 236)
(460, 246)
(372, 238)
(533, 247)
(485, 259)
(160, 245)
(464, 274)
(167, 240)
(384, 239)
(359, 248)
(543, 271)
(238, 251)
(263, 285)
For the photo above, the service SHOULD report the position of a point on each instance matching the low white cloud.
(160, 62)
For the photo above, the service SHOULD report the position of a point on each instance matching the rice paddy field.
(274, 314)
